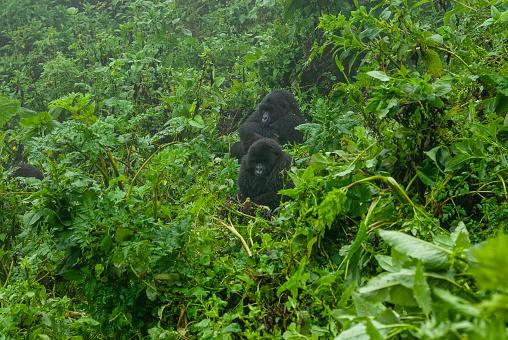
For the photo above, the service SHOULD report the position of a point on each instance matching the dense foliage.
(397, 219)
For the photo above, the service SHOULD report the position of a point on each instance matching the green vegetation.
(396, 225)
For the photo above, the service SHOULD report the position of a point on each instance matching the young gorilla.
(276, 117)
(263, 173)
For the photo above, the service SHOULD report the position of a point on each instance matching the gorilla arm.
(273, 199)
(236, 151)
(285, 129)
(251, 125)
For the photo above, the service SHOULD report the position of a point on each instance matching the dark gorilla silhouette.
(239, 149)
(236, 151)
(276, 117)
(263, 173)
(27, 170)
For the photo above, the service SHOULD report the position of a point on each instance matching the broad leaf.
(432, 256)
(379, 75)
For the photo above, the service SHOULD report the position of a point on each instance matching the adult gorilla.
(276, 117)
(263, 173)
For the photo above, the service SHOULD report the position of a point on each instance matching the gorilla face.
(259, 170)
(266, 118)
(262, 157)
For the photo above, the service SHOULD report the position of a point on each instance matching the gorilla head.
(278, 104)
(239, 149)
(276, 117)
(248, 139)
(263, 173)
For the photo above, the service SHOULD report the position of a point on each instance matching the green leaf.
(169, 278)
(197, 122)
(8, 108)
(457, 303)
(501, 103)
(295, 281)
(441, 90)
(496, 80)
(425, 179)
(318, 161)
(32, 217)
(457, 10)
(432, 153)
(364, 307)
(431, 255)
(391, 287)
(232, 328)
(494, 12)
(291, 7)
(433, 62)
(436, 38)
(122, 234)
(345, 172)
(492, 270)
(41, 118)
(379, 75)
(99, 268)
(373, 332)
(360, 237)
(73, 275)
(106, 243)
(487, 22)
(151, 293)
(357, 332)
(330, 207)
(496, 305)
(387, 263)
(458, 162)
(422, 291)
(460, 236)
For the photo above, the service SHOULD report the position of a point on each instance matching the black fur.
(236, 151)
(27, 170)
(239, 149)
(263, 173)
(276, 117)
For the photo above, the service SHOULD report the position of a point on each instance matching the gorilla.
(236, 151)
(27, 170)
(239, 149)
(276, 117)
(263, 173)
